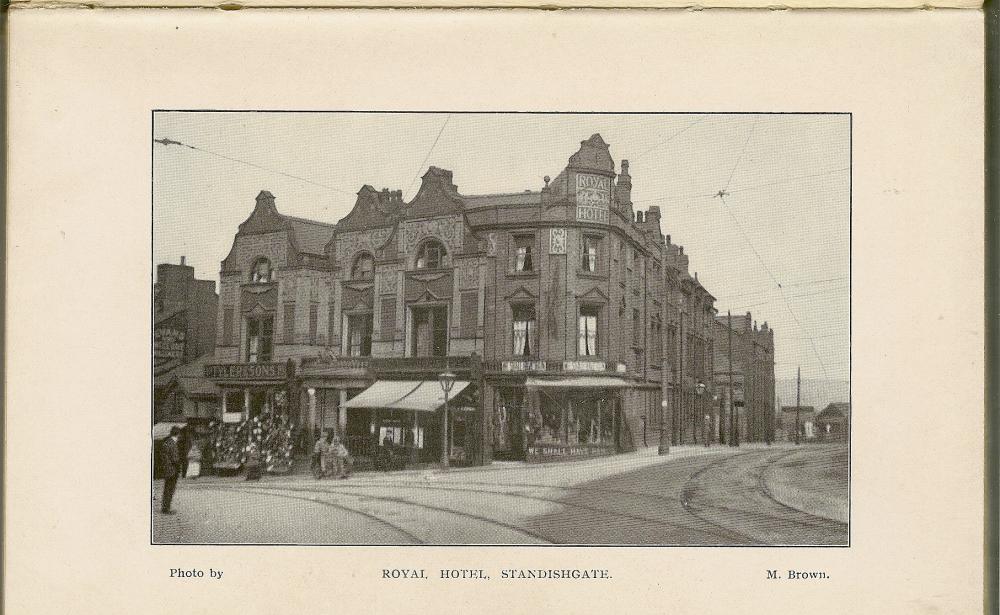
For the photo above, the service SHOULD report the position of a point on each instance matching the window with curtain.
(260, 334)
(588, 334)
(524, 337)
(431, 255)
(591, 244)
(261, 271)
(523, 245)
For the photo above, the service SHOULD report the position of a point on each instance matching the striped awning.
(419, 395)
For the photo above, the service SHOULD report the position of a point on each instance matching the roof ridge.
(473, 196)
(308, 221)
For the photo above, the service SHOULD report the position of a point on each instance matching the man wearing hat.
(171, 459)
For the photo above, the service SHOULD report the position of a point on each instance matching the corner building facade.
(565, 315)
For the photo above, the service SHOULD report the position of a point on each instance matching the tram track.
(390, 499)
(632, 511)
(271, 492)
(345, 489)
(689, 500)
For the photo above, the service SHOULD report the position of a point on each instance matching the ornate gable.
(593, 155)
(437, 196)
(373, 209)
(264, 218)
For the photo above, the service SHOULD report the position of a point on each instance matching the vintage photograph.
(444, 328)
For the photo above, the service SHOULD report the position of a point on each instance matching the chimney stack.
(624, 187)
(182, 259)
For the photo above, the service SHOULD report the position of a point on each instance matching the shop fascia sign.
(246, 371)
(565, 366)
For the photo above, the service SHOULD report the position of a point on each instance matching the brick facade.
(569, 310)
(752, 375)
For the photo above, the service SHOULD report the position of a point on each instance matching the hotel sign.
(246, 371)
(593, 198)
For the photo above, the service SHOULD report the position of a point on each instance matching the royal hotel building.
(565, 314)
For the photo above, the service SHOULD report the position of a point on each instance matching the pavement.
(695, 496)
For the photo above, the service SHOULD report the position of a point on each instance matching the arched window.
(261, 271)
(431, 255)
(363, 268)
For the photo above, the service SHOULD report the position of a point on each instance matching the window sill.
(593, 275)
(523, 274)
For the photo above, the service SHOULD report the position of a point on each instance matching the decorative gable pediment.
(594, 294)
(428, 297)
(521, 294)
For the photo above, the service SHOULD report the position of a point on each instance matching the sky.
(784, 217)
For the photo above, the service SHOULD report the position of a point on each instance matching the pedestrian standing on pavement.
(330, 453)
(322, 452)
(171, 462)
(344, 461)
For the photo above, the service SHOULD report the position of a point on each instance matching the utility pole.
(798, 390)
(680, 420)
(733, 423)
(664, 447)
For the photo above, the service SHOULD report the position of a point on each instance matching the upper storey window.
(591, 245)
(431, 255)
(364, 267)
(261, 271)
(523, 245)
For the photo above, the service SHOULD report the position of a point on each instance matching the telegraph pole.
(798, 390)
(679, 421)
(664, 445)
(734, 439)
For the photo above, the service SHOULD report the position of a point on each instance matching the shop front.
(404, 420)
(559, 417)
(259, 415)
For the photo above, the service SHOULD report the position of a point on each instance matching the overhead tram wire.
(167, 142)
(431, 150)
(722, 194)
(756, 293)
(673, 136)
(787, 180)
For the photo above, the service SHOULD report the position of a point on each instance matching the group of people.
(332, 456)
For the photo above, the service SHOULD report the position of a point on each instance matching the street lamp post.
(700, 390)
(664, 447)
(447, 380)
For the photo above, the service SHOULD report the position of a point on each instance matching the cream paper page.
(83, 85)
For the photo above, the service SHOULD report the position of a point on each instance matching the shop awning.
(419, 395)
(162, 430)
(577, 382)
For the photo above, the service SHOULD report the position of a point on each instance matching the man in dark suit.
(171, 461)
